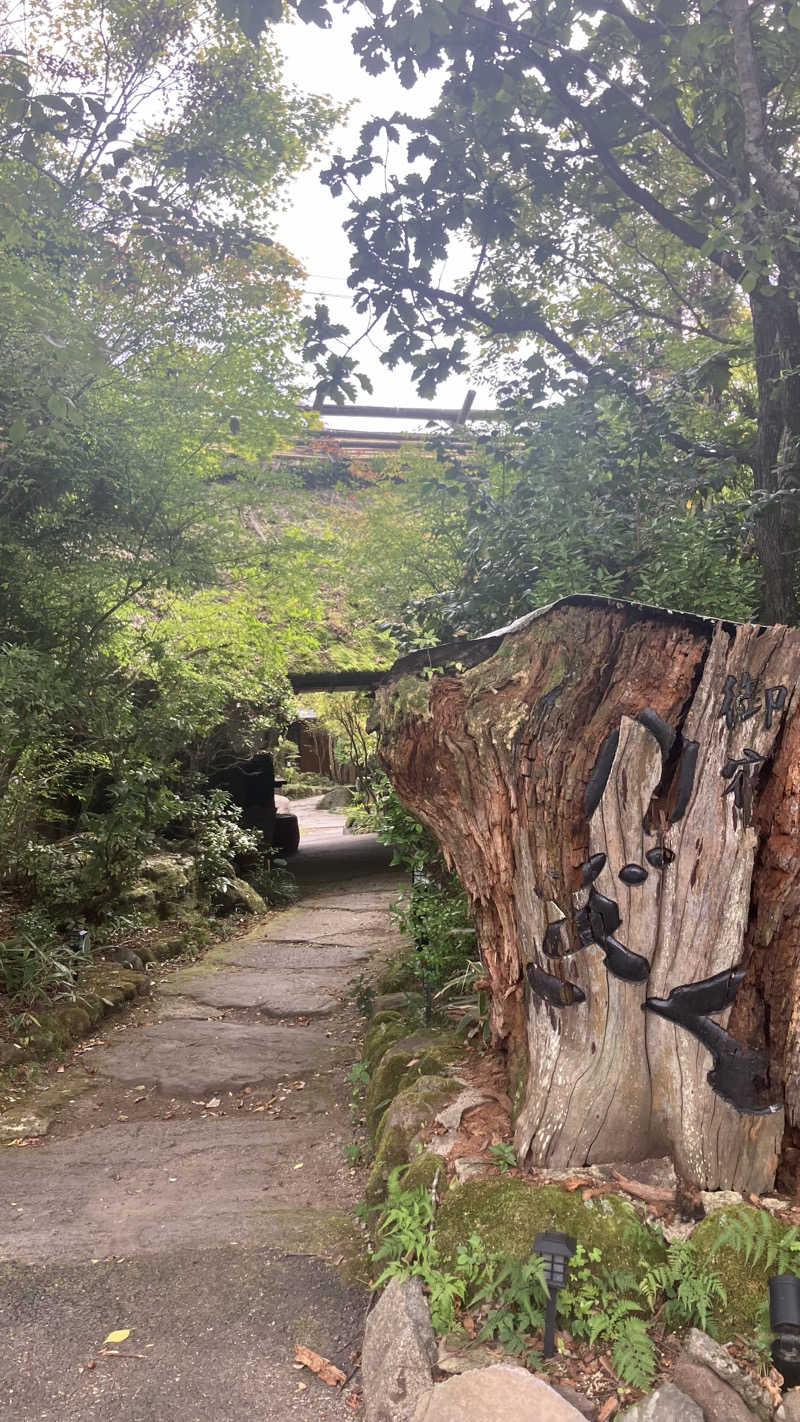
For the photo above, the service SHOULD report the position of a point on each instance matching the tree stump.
(618, 789)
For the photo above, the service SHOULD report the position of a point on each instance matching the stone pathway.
(191, 1185)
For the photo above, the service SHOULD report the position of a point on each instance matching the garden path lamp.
(556, 1251)
(421, 880)
(784, 1320)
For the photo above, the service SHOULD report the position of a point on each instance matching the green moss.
(380, 1035)
(745, 1281)
(420, 1054)
(422, 1171)
(401, 1123)
(506, 1214)
(408, 698)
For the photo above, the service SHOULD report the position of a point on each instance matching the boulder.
(789, 1410)
(717, 1401)
(337, 799)
(699, 1348)
(495, 1394)
(401, 1124)
(239, 896)
(398, 1353)
(174, 876)
(666, 1404)
(421, 1054)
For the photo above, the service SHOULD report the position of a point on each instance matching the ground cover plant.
(627, 1304)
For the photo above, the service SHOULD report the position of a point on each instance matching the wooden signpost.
(618, 788)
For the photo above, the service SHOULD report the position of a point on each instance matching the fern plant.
(688, 1287)
(754, 1236)
(603, 1305)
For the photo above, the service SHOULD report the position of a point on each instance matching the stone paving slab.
(356, 901)
(198, 1058)
(297, 957)
(332, 924)
(135, 1187)
(309, 994)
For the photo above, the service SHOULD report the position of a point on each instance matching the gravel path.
(193, 1188)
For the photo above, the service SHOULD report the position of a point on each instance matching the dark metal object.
(556, 1251)
(600, 773)
(584, 928)
(686, 773)
(739, 1073)
(658, 727)
(660, 856)
(632, 874)
(784, 1320)
(421, 880)
(591, 868)
(707, 995)
(552, 989)
(553, 942)
(623, 963)
(739, 772)
(79, 940)
(603, 916)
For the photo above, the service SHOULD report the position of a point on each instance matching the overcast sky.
(322, 62)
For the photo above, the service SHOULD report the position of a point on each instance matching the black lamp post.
(556, 1251)
(421, 880)
(784, 1320)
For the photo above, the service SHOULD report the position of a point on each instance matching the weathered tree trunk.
(618, 789)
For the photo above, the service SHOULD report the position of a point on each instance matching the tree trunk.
(776, 468)
(618, 789)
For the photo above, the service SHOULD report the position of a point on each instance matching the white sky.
(322, 62)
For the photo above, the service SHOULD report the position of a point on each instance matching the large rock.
(398, 1354)
(666, 1404)
(718, 1401)
(496, 1394)
(789, 1410)
(699, 1348)
(239, 896)
(400, 1126)
(337, 799)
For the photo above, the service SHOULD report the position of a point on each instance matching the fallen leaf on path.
(213, 1103)
(352, 1400)
(325, 1370)
(608, 1409)
(118, 1336)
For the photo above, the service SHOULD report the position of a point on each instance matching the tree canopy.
(605, 166)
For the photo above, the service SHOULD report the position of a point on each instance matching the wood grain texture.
(496, 759)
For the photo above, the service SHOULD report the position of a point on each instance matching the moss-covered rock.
(745, 1281)
(384, 1030)
(422, 1171)
(408, 1112)
(506, 1214)
(239, 896)
(408, 1004)
(421, 1054)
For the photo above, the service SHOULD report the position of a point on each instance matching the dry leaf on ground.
(608, 1409)
(326, 1371)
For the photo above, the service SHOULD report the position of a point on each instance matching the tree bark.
(776, 468)
(618, 789)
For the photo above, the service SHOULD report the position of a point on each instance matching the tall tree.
(558, 122)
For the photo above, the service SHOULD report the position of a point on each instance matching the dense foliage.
(148, 346)
(611, 171)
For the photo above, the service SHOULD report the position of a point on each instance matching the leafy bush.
(32, 972)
